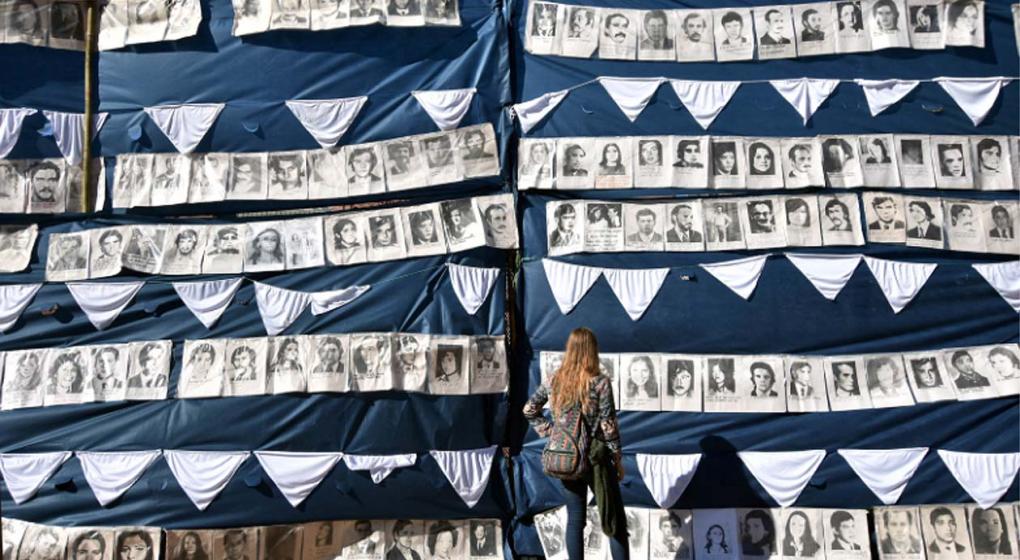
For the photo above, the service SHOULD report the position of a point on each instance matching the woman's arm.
(533, 411)
(607, 416)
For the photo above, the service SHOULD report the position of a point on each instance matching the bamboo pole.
(86, 162)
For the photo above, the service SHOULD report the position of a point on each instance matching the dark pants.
(575, 492)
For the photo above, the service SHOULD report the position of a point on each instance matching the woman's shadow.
(720, 480)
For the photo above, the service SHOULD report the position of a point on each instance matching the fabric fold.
(472, 284)
(326, 301)
(279, 307)
(204, 474)
(783, 474)
(68, 132)
(11, 121)
(704, 100)
(631, 95)
(103, 302)
(1004, 277)
(827, 273)
(899, 281)
(635, 288)
(976, 96)
(530, 113)
(885, 471)
(327, 120)
(447, 107)
(667, 476)
(25, 473)
(739, 275)
(208, 300)
(985, 476)
(297, 474)
(112, 473)
(186, 124)
(14, 298)
(806, 95)
(569, 282)
(882, 94)
(468, 471)
(380, 466)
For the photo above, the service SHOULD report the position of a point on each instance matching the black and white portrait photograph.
(184, 17)
(67, 25)
(716, 535)
(370, 362)
(801, 533)
(690, 161)
(170, 180)
(565, 227)
(442, 12)
(248, 177)
(884, 214)
(498, 220)
(47, 189)
(485, 539)
(603, 226)
(405, 538)
(17, 245)
(405, 164)
(991, 163)
(133, 180)
(951, 155)
(965, 23)
(202, 371)
(42, 542)
(463, 224)
(944, 528)
(149, 375)
(327, 173)
(618, 34)
(489, 372)
(345, 238)
(89, 543)
(643, 227)
(251, 16)
(367, 12)
(535, 163)
(477, 151)
(615, 168)
(288, 175)
(775, 31)
(113, 25)
(287, 360)
(722, 225)
(815, 28)
(245, 366)
(107, 246)
(290, 14)
(964, 230)
(803, 223)
(107, 373)
(670, 534)
(898, 531)
(913, 159)
(265, 247)
(442, 165)
(841, 161)
(759, 532)
(651, 168)
(186, 544)
(681, 382)
(637, 531)
(764, 167)
(449, 371)
(846, 534)
(365, 173)
(609, 365)
(328, 362)
(549, 364)
(575, 163)
(924, 222)
(423, 230)
(846, 383)
(840, 219)
(695, 37)
(12, 187)
(67, 257)
(27, 22)
(66, 371)
(685, 229)
(992, 531)
(385, 235)
(851, 29)
(971, 382)
(147, 21)
(209, 176)
(225, 248)
(734, 34)
(23, 379)
(1001, 221)
(543, 28)
(1002, 362)
(184, 246)
(760, 381)
(887, 381)
(303, 239)
(763, 220)
(404, 13)
(928, 377)
(878, 160)
(411, 361)
(802, 162)
(924, 24)
(656, 38)
(720, 384)
(143, 248)
(580, 34)
(639, 382)
(805, 384)
(322, 540)
(729, 165)
(887, 24)
(235, 544)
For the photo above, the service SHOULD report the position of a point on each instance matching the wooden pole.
(86, 162)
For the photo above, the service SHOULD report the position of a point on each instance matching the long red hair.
(580, 365)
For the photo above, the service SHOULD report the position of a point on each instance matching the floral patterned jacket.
(601, 419)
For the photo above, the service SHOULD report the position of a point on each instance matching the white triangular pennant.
(900, 281)
(208, 300)
(324, 302)
(296, 474)
(68, 132)
(10, 127)
(976, 96)
(569, 282)
(704, 100)
(279, 307)
(783, 474)
(25, 473)
(111, 474)
(827, 273)
(667, 476)
(103, 302)
(631, 95)
(985, 476)
(1004, 277)
(379, 466)
(806, 95)
(472, 285)
(885, 471)
(327, 119)
(739, 275)
(446, 107)
(186, 124)
(635, 288)
(882, 94)
(14, 298)
(468, 471)
(204, 474)
(530, 113)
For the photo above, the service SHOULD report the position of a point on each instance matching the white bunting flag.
(186, 124)
(25, 473)
(635, 288)
(885, 471)
(783, 474)
(379, 466)
(827, 273)
(532, 112)
(667, 476)
(279, 307)
(324, 302)
(204, 474)
(631, 95)
(446, 107)
(327, 120)
(569, 282)
(14, 298)
(1004, 277)
(472, 285)
(899, 281)
(468, 471)
(806, 95)
(739, 275)
(10, 127)
(882, 94)
(985, 476)
(297, 474)
(103, 302)
(208, 300)
(69, 131)
(976, 96)
(111, 474)
(704, 100)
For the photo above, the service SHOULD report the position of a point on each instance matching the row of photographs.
(988, 163)
(770, 383)
(335, 363)
(736, 33)
(58, 24)
(359, 539)
(341, 239)
(132, 22)
(258, 16)
(935, 532)
(766, 222)
(42, 186)
(409, 162)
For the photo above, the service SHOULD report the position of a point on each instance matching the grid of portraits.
(786, 383)
(258, 16)
(58, 24)
(41, 186)
(132, 22)
(356, 539)
(136, 371)
(741, 33)
(986, 163)
(409, 162)
(336, 239)
(358, 362)
(774, 221)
